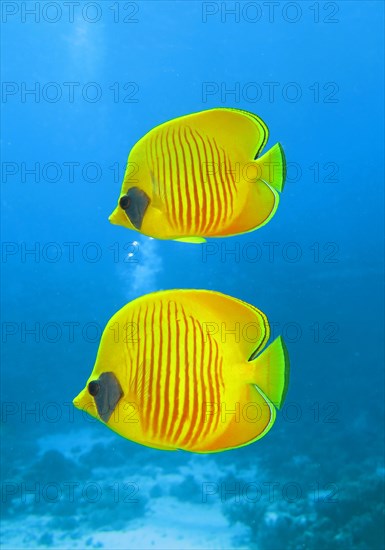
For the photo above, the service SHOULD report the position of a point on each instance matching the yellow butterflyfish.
(201, 175)
(187, 369)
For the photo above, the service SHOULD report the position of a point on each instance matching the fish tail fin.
(271, 371)
(272, 167)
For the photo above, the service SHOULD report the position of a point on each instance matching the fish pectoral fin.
(157, 201)
(192, 240)
(272, 167)
(271, 371)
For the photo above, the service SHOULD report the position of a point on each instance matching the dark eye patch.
(107, 393)
(135, 203)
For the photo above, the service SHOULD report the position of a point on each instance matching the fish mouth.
(77, 401)
(84, 402)
(119, 217)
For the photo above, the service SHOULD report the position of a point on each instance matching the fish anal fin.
(261, 205)
(161, 447)
(249, 419)
(235, 128)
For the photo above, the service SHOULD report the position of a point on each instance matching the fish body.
(187, 369)
(201, 175)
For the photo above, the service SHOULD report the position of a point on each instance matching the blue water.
(103, 76)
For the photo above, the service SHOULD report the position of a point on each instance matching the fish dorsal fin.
(232, 129)
(240, 327)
